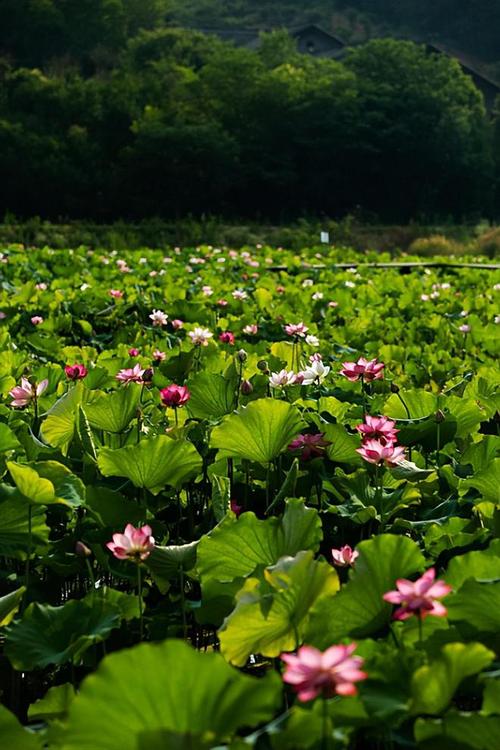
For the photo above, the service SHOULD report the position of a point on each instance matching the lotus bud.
(394, 388)
(82, 550)
(147, 375)
(242, 355)
(246, 388)
(439, 416)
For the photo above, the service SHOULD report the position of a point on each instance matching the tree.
(423, 137)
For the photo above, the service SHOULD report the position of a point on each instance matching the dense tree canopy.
(167, 122)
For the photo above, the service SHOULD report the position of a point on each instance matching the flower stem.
(363, 396)
(28, 555)
(268, 481)
(324, 733)
(176, 417)
(139, 602)
(91, 574)
(183, 602)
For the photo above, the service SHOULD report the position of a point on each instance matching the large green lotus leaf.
(112, 509)
(359, 609)
(221, 496)
(453, 532)
(9, 604)
(434, 684)
(14, 736)
(491, 697)
(8, 439)
(237, 546)
(283, 350)
(54, 705)
(32, 487)
(333, 407)
(485, 392)
(212, 396)
(14, 530)
(477, 605)
(112, 412)
(487, 482)
(167, 562)
(343, 446)
(480, 455)
(54, 635)
(272, 615)
(482, 565)
(47, 482)
(153, 463)
(68, 487)
(259, 432)
(58, 428)
(166, 695)
(467, 413)
(459, 731)
(420, 404)
(427, 432)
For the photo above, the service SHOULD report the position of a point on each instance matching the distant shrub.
(489, 243)
(436, 244)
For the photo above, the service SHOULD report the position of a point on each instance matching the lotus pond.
(242, 507)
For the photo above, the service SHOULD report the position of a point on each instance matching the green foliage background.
(108, 110)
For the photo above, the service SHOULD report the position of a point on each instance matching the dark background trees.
(107, 111)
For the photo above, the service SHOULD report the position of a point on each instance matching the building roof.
(465, 61)
(250, 37)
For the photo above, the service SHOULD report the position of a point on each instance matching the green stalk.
(324, 733)
(268, 488)
(183, 602)
(139, 602)
(420, 637)
(30, 537)
(363, 396)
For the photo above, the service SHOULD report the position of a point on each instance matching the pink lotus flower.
(176, 324)
(334, 671)
(296, 329)
(134, 544)
(159, 318)
(280, 290)
(76, 372)
(133, 352)
(131, 375)
(310, 445)
(465, 328)
(315, 373)
(42, 286)
(175, 395)
(200, 336)
(376, 452)
(367, 369)
(222, 302)
(378, 428)
(159, 356)
(344, 556)
(226, 337)
(116, 293)
(419, 597)
(37, 320)
(239, 294)
(25, 393)
(251, 330)
(282, 378)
